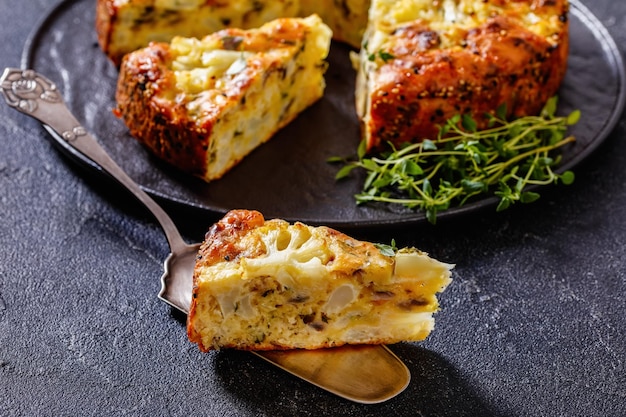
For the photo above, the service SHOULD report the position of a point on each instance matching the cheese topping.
(451, 19)
(211, 72)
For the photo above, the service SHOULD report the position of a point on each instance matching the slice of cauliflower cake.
(202, 105)
(270, 285)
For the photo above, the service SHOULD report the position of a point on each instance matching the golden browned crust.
(105, 19)
(220, 243)
(499, 62)
(224, 241)
(161, 125)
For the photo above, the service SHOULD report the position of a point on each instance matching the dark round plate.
(289, 177)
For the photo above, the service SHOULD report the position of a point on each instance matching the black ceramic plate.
(289, 177)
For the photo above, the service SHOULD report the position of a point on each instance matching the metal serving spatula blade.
(364, 374)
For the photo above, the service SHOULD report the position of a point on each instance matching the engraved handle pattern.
(35, 95)
(24, 88)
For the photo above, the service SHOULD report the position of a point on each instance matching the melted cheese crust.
(272, 285)
(452, 19)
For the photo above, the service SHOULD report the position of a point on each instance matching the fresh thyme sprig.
(387, 250)
(463, 162)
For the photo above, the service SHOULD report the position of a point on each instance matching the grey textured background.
(533, 324)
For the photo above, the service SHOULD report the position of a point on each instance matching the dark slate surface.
(533, 324)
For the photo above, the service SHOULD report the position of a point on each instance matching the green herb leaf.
(549, 109)
(529, 197)
(362, 149)
(426, 187)
(385, 56)
(469, 123)
(567, 177)
(335, 159)
(431, 215)
(470, 186)
(387, 250)
(429, 145)
(344, 172)
(573, 117)
(501, 111)
(504, 204)
(410, 167)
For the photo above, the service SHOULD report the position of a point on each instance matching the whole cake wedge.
(269, 285)
(202, 105)
(423, 62)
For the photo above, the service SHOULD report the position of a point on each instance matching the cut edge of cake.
(202, 105)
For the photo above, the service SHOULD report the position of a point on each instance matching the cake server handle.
(35, 95)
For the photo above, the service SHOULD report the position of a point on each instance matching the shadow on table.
(436, 389)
